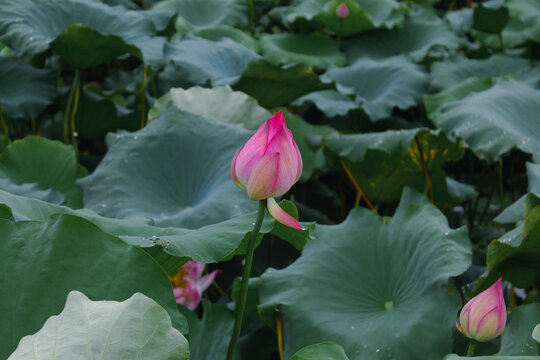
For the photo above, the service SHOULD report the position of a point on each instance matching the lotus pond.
(270, 179)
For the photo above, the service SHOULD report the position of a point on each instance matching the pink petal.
(486, 329)
(275, 123)
(194, 298)
(250, 154)
(264, 177)
(280, 215)
(283, 144)
(205, 282)
(233, 171)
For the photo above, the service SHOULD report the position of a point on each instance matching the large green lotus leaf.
(24, 90)
(210, 336)
(319, 52)
(322, 351)
(378, 289)
(274, 86)
(514, 213)
(137, 328)
(457, 69)
(496, 120)
(84, 33)
(491, 17)
(434, 102)
(331, 102)
(308, 137)
(48, 163)
(45, 261)
(220, 103)
(381, 85)
(460, 20)
(383, 163)
(218, 62)
(175, 171)
(32, 190)
(522, 27)
(515, 255)
(517, 339)
(196, 14)
(208, 244)
(363, 14)
(223, 31)
(421, 31)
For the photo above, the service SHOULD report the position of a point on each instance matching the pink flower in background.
(484, 316)
(342, 11)
(188, 285)
(268, 165)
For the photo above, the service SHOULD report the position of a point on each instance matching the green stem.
(5, 127)
(68, 106)
(501, 189)
(502, 43)
(251, 17)
(245, 279)
(472, 346)
(75, 105)
(143, 90)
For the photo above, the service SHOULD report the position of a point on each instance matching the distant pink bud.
(342, 11)
(269, 163)
(188, 285)
(484, 316)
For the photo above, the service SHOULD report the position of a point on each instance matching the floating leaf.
(32, 190)
(515, 255)
(322, 351)
(84, 33)
(195, 14)
(517, 339)
(421, 31)
(137, 328)
(457, 69)
(361, 280)
(223, 31)
(24, 91)
(330, 102)
(43, 262)
(317, 51)
(275, 86)
(50, 164)
(199, 60)
(191, 189)
(496, 120)
(380, 85)
(363, 14)
(220, 103)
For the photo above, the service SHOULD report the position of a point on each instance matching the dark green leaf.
(322, 351)
(358, 283)
(490, 19)
(517, 339)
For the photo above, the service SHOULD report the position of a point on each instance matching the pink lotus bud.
(269, 164)
(342, 11)
(188, 285)
(484, 316)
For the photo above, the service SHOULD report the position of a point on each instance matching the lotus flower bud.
(268, 165)
(342, 11)
(484, 316)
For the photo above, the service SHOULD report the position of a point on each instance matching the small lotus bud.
(342, 11)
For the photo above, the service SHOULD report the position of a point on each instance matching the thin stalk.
(501, 41)
(75, 106)
(5, 127)
(424, 167)
(279, 330)
(251, 17)
(245, 279)
(501, 189)
(68, 106)
(357, 187)
(512, 297)
(143, 102)
(472, 346)
(218, 288)
(33, 125)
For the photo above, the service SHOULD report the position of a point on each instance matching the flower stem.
(245, 279)
(472, 346)
(5, 126)
(143, 97)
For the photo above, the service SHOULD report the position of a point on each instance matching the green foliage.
(72, 334)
